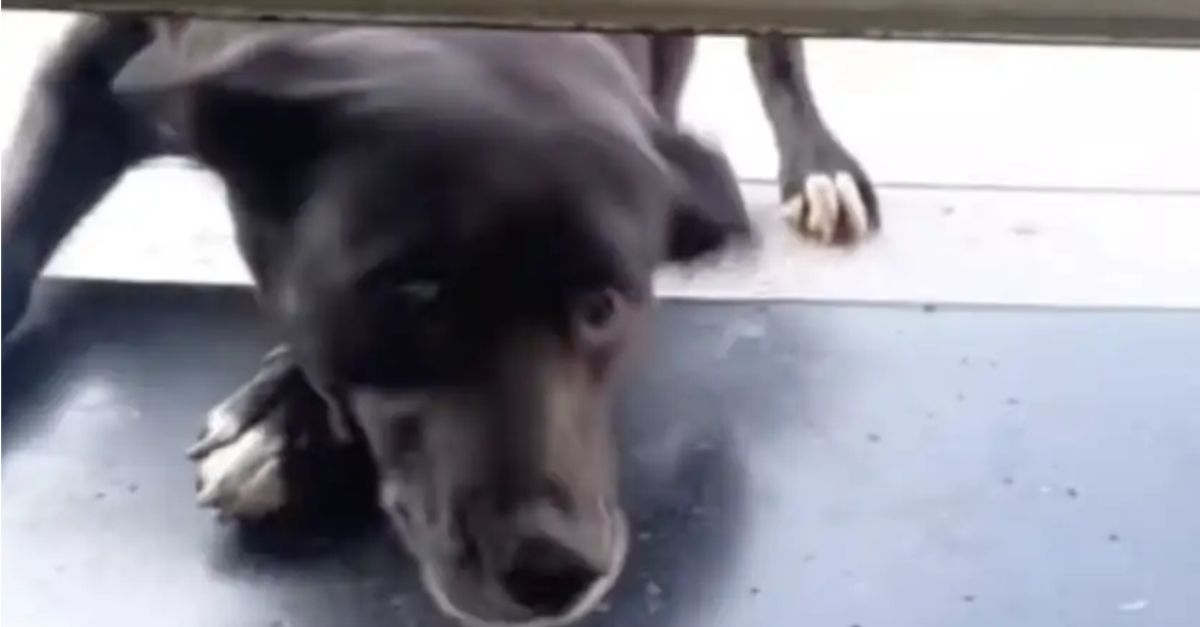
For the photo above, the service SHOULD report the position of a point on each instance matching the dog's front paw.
(239, 462)
(240, 454)
(834, 208)
(276, 447)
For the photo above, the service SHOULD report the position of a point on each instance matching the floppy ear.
(271, 64)
(707, 212)
(258, 114)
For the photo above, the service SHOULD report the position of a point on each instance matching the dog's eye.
(398, 283)
(598, 308)
(598, 317)
(419, 292)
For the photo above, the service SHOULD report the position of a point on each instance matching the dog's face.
(464, 279)
(468, 299)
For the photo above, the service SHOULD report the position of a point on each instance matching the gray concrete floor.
(783, 464)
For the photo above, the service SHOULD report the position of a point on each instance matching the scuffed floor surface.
(785, 464)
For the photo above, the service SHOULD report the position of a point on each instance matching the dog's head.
(461, 261)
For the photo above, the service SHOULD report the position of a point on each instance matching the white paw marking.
(242, 476)
(221, 428)
(852, 203)
(822, 200)
(825, 200)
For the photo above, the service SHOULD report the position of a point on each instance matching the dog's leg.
(670, 59)
(250, 438)
(826, 194)
(74, 141)
(661, 63)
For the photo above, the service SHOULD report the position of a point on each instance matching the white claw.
(221, 428)
(793, 211)
(822, 202)
(852, 204)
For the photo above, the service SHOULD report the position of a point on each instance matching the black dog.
(456, 231)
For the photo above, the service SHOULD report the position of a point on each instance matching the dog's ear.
(260, 112)
(268, 66)
(707, 212)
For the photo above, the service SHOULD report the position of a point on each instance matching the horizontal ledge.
(946, 246)
(1143, 22)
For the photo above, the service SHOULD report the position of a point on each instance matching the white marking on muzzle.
(619, 548)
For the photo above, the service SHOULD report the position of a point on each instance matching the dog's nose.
(547, 577)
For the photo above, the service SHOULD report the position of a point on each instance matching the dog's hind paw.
(832, 208)
(240, 470)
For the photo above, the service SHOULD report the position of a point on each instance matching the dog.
(455, 231)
